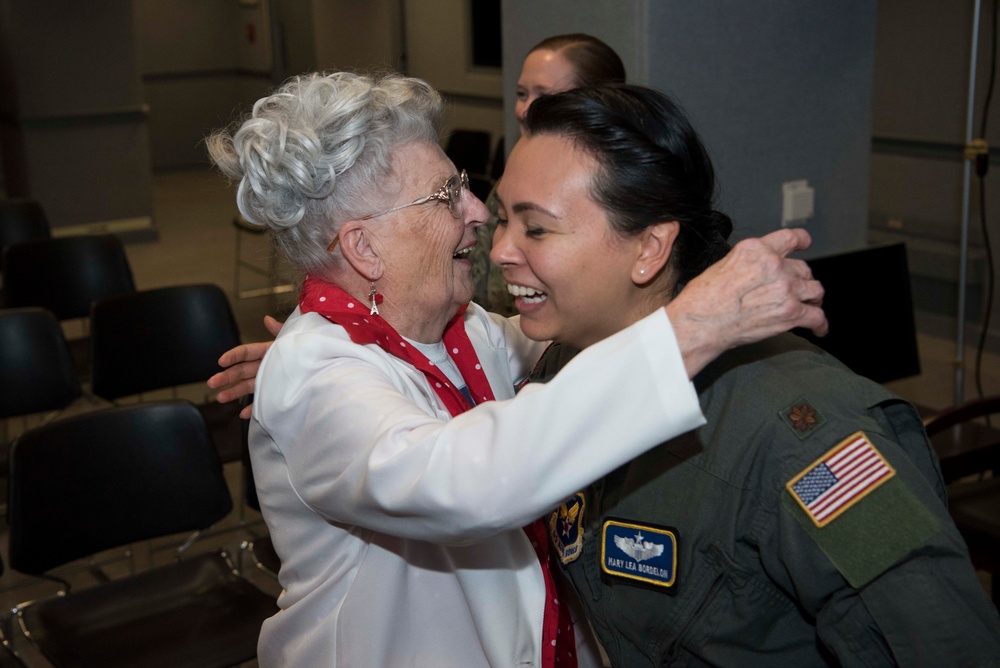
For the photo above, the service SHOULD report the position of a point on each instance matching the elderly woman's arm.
(754, 292)
(360, 438)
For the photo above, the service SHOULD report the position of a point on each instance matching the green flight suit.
(755, 580)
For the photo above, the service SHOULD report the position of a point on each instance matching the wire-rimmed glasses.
(450, 193)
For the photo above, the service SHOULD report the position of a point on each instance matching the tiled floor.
(193, 211)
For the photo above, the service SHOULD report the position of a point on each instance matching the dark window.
(486, 33)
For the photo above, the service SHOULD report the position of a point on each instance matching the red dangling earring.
(375, 299)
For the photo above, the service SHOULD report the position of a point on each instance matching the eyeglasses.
(450, 193)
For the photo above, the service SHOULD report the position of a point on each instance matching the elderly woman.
(806, 523)
(393, 465)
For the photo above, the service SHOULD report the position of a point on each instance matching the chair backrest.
(966, 412)
(21, 220)
(872, 331)
(67, 274)
(469, 150)
(36, 372)
(964, 443)
(159, 338)
(106, 478)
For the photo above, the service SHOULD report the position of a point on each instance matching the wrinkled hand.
(753, 293)
(240, 365)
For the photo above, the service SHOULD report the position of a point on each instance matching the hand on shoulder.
(753, 293)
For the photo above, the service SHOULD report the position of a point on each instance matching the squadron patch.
(639, 552)
(802, 417)
(565, 528)
(839, 479)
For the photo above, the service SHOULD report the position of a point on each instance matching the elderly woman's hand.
(752, 293)
(240, 365)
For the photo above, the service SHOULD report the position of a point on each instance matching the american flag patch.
(839, 479)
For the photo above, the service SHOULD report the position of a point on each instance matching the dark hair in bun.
(652, 166)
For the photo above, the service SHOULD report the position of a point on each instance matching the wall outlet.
(797, 203)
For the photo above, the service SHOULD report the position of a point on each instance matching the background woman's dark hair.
(652, 166)
(593, 61)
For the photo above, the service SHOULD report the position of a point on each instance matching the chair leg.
(270, 273)
(995, 582)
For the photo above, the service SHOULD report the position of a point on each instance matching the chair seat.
(975, 507)
(205, 616)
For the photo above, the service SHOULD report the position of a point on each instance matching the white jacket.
(398, 527)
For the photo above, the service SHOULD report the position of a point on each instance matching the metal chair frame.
(270, 272)
(149, 471)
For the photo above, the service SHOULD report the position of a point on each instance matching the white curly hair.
(318, 152)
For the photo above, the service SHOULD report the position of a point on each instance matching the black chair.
(37, 377)
(21, 220)
(969, 446)
(469, 150)
(164, 338)
(108, 478)
(884, 348)
(65, 276)
(8, 656)
(36, 372)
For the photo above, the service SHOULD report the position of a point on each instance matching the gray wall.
(438, 49)
(74, 128)
(200, 70)
(779, 92)
(919, 125)
(202, 62)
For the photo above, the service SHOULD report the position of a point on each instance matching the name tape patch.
(639, 552)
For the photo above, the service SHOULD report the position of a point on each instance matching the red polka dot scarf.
(331, 302)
